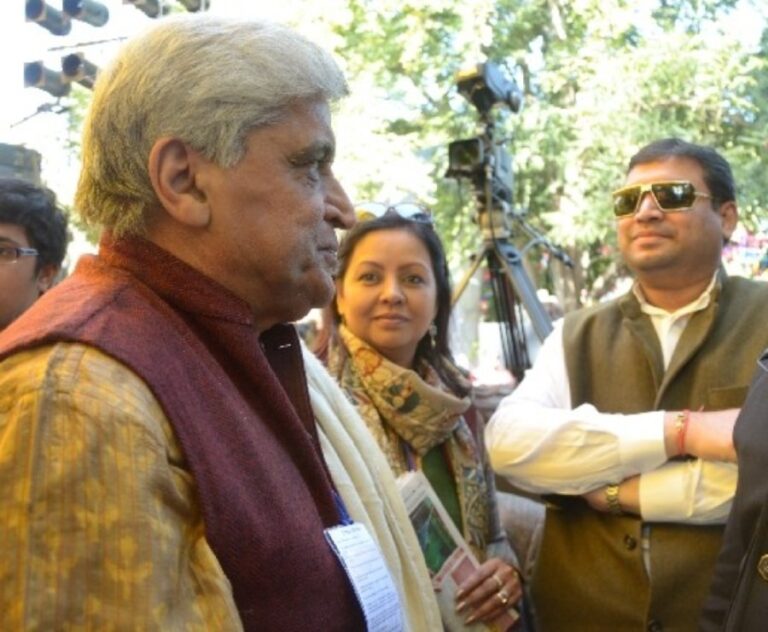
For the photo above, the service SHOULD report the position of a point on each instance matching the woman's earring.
(432, 334)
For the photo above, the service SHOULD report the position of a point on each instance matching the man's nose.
(648, 208)
(338, 205)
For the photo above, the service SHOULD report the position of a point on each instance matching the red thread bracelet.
(681, 424)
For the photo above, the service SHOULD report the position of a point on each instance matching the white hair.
(208, 81)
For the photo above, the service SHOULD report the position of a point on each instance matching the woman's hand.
(489, 591)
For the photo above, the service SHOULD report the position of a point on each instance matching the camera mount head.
(485, 85)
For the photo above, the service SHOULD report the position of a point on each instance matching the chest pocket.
(726, 397)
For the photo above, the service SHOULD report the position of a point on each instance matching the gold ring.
(499, 583)
(503, 596)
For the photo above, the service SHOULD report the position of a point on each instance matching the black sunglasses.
(670, 197)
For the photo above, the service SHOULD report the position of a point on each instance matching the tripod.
(512, 290)
(485, 163)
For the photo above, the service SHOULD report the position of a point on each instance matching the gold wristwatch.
(612, 498)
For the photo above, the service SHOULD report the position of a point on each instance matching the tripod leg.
(509, 314)
(511, 260)
(513, 290)
(459, 288)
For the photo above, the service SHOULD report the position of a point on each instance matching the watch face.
(612, 499)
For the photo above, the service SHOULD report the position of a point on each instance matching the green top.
(435, 468)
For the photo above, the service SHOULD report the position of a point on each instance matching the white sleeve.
(536, 441)
(694, 491)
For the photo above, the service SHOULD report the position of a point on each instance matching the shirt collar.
(696, 305)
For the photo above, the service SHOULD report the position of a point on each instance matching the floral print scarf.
(408, 415)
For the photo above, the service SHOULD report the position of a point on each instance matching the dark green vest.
(590, 575)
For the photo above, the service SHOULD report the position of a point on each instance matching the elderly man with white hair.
(170, 457)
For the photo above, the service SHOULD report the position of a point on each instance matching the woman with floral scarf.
(390, 354)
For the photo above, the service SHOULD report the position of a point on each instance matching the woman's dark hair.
(438, 356)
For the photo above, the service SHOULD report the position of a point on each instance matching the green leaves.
(601, 77)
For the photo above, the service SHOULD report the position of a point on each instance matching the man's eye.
(322, 166)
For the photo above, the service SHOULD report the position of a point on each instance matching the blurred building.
(17, 161)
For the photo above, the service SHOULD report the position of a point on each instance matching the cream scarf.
(363, 478)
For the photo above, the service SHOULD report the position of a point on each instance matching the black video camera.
(485, 85)
(470, 159)
(482, 160)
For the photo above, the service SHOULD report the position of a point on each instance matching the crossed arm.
(706, 483)
(542, 445)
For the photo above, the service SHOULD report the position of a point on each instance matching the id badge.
(369, 576)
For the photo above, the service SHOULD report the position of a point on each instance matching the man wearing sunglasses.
(625, 421)
(33, 242)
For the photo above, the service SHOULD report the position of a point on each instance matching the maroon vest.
(239, 406)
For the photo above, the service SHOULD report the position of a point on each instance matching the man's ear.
(173, 168)
(45, 278)
(729, 214)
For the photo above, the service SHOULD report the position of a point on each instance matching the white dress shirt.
(542, 445)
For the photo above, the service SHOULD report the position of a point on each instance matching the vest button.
(762, 567)
(630, 543)
(654, 626)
